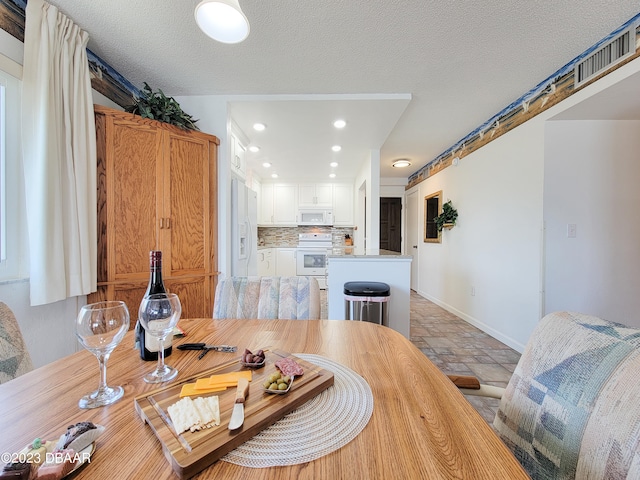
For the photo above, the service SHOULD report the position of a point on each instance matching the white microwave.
(315, 216)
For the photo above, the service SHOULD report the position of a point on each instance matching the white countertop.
(382, 255)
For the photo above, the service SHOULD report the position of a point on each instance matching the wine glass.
(158, 314)
(100, 327)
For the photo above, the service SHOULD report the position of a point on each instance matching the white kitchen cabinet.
(286, 262)
(285, 204)
(266, 262)
(237, 155)
(315, 195)
(343, 203)
(265, 204)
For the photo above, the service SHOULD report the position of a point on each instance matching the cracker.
(193, 415)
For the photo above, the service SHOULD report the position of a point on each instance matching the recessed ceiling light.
(333, 164)
(339, 123)
(258, 127)
(266, 164)
(332, 175)
(274, 175)
(254, 149)
(403, 162)
(336, 148)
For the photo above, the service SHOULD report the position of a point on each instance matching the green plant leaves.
(157, 106)
(449, 215)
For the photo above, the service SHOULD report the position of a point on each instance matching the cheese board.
(191, 452)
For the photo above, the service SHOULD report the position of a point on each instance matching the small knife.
(237, 416)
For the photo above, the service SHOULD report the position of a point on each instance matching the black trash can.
(367, 301)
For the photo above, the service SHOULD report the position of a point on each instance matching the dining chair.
(571, 410)
(267, 298)
(14, 356)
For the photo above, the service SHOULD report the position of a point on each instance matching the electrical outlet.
(571, 230)
(473, 291)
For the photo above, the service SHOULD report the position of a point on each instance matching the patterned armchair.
(14, 356)
(267, 298)
(572, 407)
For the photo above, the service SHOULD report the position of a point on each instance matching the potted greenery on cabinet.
(157, 106)
(447, 219)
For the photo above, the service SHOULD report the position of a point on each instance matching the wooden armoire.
(157, 190)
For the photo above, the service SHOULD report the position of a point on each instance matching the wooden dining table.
(421, 427)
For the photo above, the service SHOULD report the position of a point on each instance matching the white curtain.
(59, 152)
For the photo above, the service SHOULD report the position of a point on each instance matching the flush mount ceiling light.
(333, 164)
(254, 149)
(403, 162)
(222, 20)
(332, 175)
(336, 148)
(339, 124)
(259, 127)
(266, 164)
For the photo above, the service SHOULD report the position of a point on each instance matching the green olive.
(282, 386)
(266, 384)
(273, 386)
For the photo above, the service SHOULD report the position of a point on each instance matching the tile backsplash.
(288, 236)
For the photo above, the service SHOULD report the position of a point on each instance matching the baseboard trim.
(510, 342)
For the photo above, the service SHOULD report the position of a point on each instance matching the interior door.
(391, 224)
(413, 237)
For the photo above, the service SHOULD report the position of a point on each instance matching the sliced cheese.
(189, 389)
(230, 377)
(214, 383)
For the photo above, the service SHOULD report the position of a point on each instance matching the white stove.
(311, 255)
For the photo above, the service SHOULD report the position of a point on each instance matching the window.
(3, 177)
(13, 234)
(432, 207)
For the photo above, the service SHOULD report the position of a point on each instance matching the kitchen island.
(391, 268)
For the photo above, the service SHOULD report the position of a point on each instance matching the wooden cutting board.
(192, 452)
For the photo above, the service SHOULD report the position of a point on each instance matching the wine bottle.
(147, 344)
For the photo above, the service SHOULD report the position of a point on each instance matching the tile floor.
(456, 346)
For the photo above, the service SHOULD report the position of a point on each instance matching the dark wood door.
(390, 224)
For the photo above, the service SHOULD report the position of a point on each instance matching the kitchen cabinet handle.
(168, 223)
(161, 223)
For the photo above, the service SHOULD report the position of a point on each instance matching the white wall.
(591, 181)
(497, 245)
(368, 184)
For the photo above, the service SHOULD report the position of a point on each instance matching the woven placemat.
(325, 423)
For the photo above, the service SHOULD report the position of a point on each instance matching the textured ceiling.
(461, 62)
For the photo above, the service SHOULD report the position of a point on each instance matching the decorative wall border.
(104, 78)
(543, 96)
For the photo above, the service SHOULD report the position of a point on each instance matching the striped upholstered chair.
(14, 356)
(267, 298)
(572, 407)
